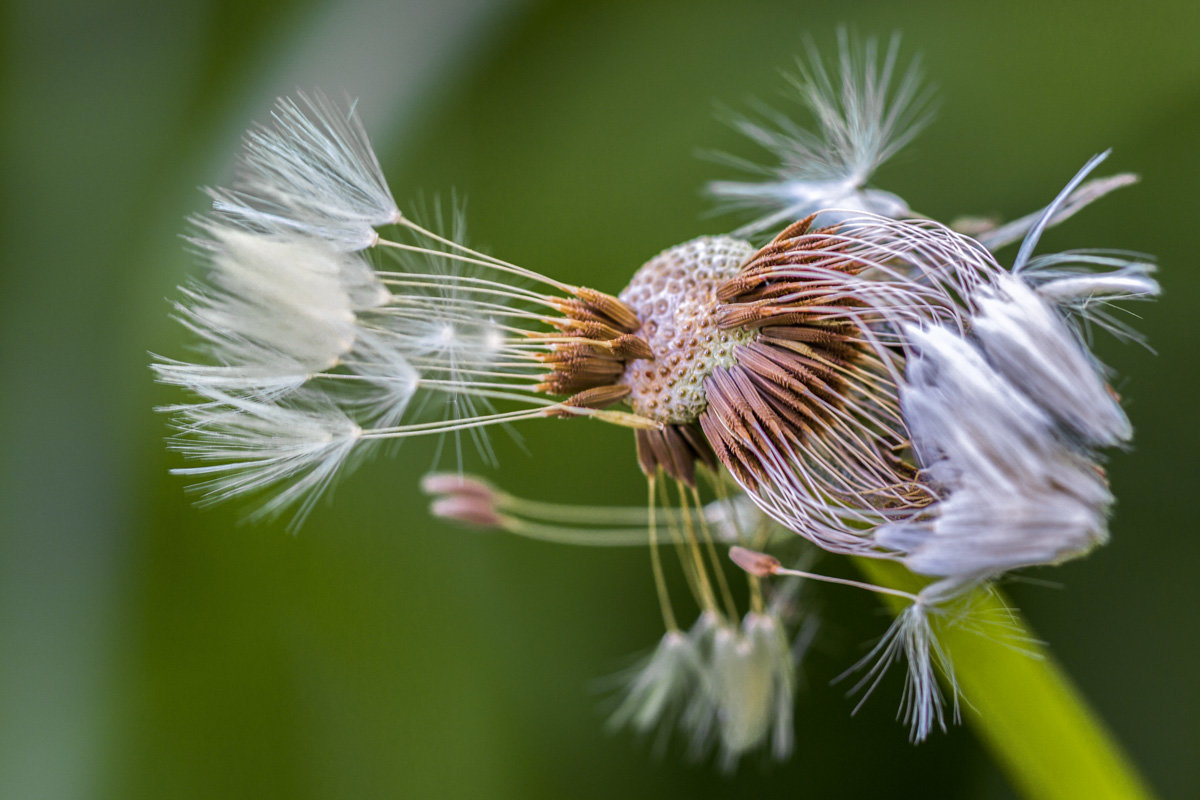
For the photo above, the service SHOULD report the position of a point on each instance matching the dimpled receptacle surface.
(675, 297)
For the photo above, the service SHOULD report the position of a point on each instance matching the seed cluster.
(807, 387)
(675, 297)
(593, 344)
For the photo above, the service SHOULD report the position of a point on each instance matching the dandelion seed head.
(675, 298)
(875, 384)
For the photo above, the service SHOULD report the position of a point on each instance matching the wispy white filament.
(1070, 281)
(659, 689)
(911, 641)
(289, 294)
(296, 448)
(310, 171)
(1078, 198)
(1027, 342)
(864, 115)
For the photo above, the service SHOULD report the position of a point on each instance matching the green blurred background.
(151, 650)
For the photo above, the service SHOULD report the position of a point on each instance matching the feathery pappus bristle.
(311, 171)
(864, 114)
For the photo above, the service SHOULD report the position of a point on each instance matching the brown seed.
(621, 315)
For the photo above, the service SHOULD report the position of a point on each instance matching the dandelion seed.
(865, 115)
(311, 171)
(660, 688)
(1075, 200)
(760, 565)
(426, 344)
(754, 679)
(259, 444)
(276, 309)
(911, 640)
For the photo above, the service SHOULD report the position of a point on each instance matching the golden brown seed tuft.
(600, 343)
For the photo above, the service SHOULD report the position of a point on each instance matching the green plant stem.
(1021, 704)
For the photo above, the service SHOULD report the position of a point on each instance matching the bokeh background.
(152, 650)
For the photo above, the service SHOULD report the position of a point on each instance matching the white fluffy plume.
(865, 113)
